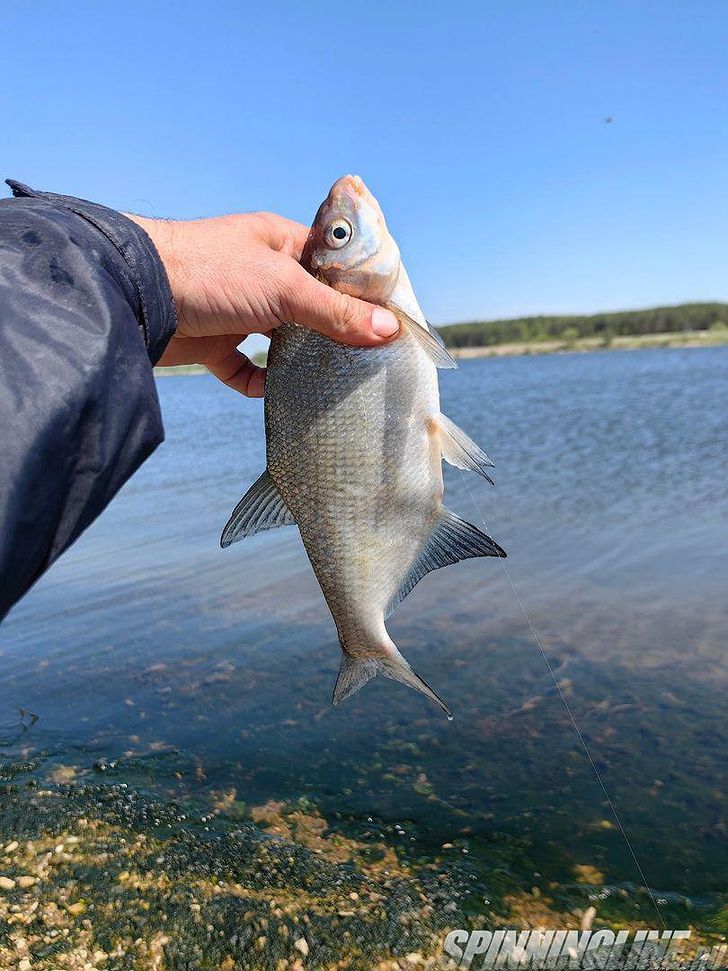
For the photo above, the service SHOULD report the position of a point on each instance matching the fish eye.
(338, 233)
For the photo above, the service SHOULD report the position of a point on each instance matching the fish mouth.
(355, 184)
(353, 187)
(350, 193)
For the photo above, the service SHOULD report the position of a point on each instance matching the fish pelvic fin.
(460, 450)
(262, 507)
(356, 671)
(451, 540)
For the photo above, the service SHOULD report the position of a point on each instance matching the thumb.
(338, 315)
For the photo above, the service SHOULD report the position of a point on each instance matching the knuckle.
(269, 226)
(347, 312)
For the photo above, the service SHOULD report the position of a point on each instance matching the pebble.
(6, 883)
(302, 945)
(26, 881)
(588, 918)
(11, 846)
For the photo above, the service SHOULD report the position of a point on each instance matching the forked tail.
(356, 671)
(451, 540)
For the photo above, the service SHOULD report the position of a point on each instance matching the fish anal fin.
(262, 507)
(451, 540)
(460, 450)
(431, 344)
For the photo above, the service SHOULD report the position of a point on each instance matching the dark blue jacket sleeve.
(85, 311)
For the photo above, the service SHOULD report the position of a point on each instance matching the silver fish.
(355, 440)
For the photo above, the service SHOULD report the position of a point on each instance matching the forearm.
(81, 323)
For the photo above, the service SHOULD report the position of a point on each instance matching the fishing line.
(569, 712)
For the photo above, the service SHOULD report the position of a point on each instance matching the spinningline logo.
(600, 950)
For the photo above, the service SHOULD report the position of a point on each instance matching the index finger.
(285, 235)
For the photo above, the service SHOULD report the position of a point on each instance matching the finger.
(285, 235)
(298, 236)
(238, 372)
(338, 315)
(198, 350)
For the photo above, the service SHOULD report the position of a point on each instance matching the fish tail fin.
(353, 674)
(356, 671)
(396, 667)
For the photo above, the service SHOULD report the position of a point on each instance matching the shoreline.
(269, 887)
(527, 348)
(587, 344)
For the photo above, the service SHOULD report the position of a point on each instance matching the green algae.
(124, 878)
(104, 873)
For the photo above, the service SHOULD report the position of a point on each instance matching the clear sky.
(480, 127)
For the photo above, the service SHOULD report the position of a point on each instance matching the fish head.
(349, 246)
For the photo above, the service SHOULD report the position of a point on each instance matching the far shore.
(580, 345)
(583, 344)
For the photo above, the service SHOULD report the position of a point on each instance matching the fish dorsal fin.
(460, 450)
(261, 508)
(431, 343)
(450, 541)
(355, 672)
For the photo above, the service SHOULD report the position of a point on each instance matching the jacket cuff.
(153, 303)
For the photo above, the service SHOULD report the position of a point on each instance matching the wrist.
(165, 235)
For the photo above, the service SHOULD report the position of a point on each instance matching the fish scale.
(360, 550)
(355, 441)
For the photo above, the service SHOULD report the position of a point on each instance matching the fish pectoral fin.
(450, 541)
(262, 507)
(356, 671)
(430, 342)
(460, 450)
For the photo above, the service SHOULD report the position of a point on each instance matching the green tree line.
(657, 320)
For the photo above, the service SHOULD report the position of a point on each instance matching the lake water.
(611, 498)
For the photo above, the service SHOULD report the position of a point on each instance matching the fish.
(355, 441)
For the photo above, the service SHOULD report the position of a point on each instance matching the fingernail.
(384, 323)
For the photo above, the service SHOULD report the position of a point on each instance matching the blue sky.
(479, 126)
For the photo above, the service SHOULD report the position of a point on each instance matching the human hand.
(237, 275)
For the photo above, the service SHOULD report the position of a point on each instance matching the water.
(611, 500)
